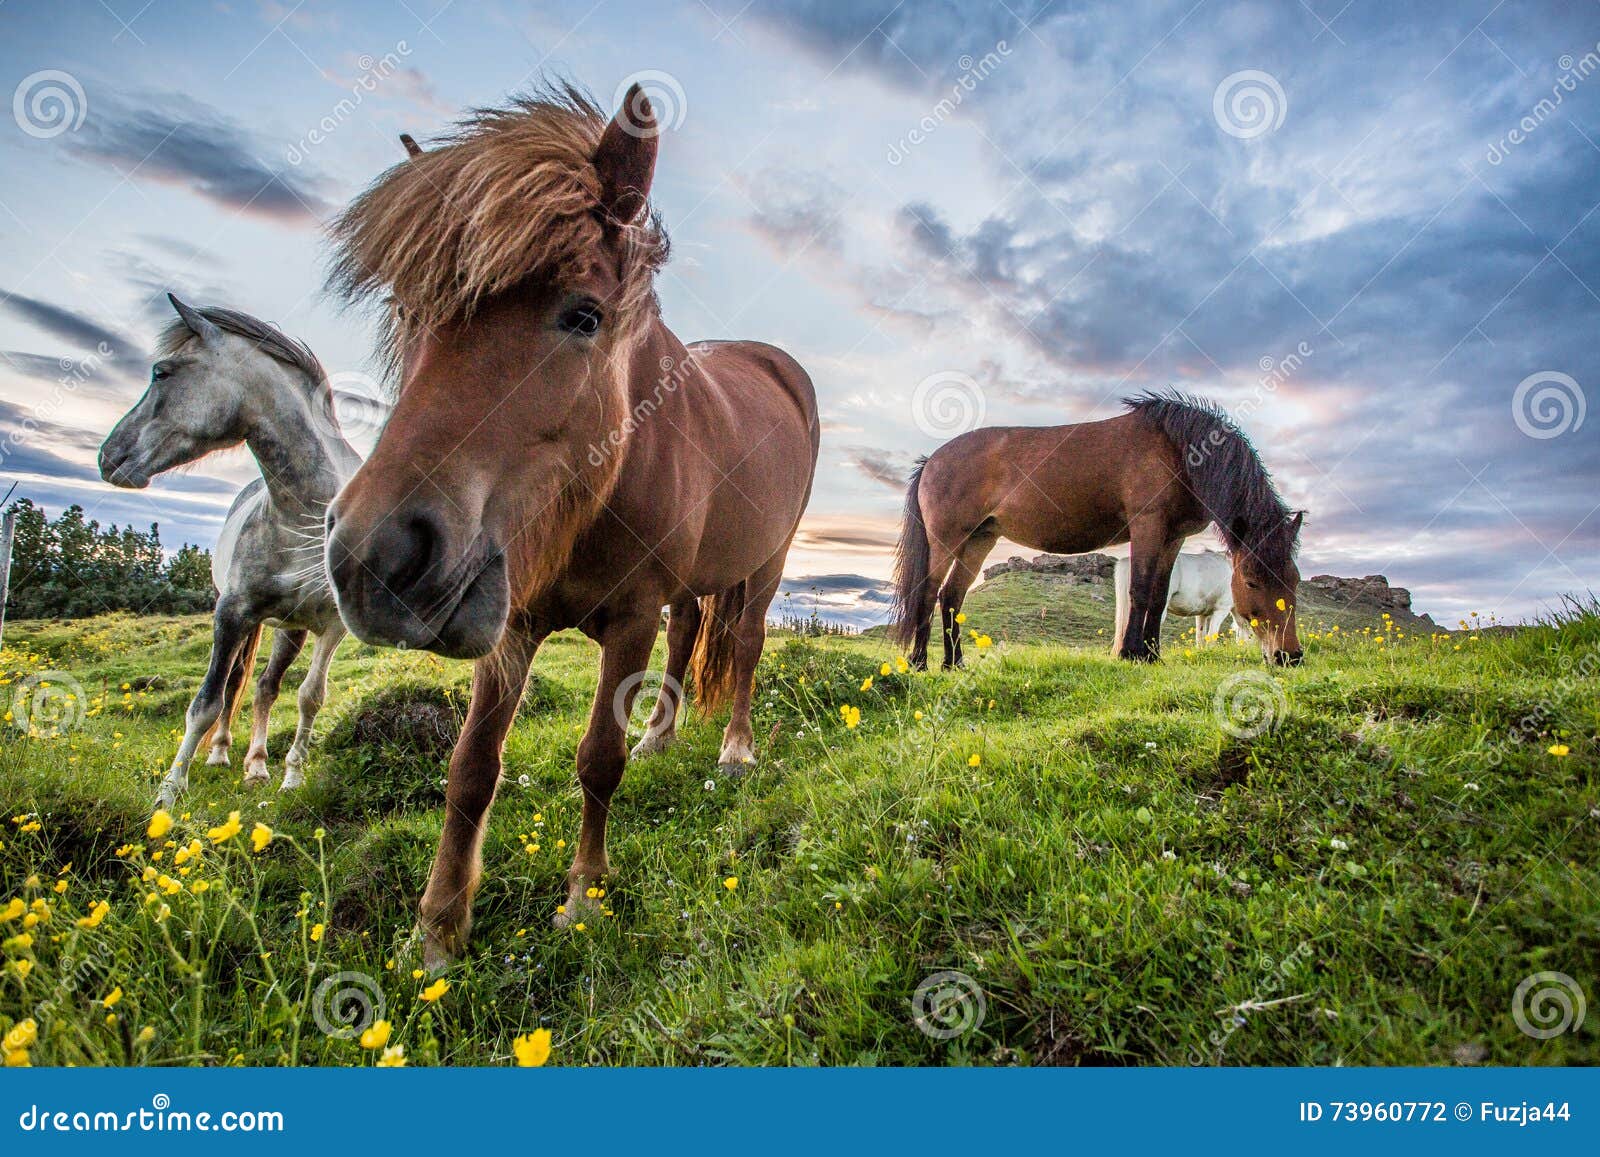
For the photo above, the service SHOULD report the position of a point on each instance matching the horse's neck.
(303, 460)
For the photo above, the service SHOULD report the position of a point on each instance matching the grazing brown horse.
(556, 457)
(1150, 477)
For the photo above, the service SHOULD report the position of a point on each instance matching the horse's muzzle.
(399, 584)
(1288, 658)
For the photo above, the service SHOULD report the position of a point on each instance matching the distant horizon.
(1371, 235)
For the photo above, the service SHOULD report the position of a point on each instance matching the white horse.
(1202, 587)
(224, 378)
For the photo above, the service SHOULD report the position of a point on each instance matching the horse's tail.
(711, 664)
(233, 693)
(911, 607)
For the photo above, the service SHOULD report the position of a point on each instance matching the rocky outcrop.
(1088, 568)
(1374, 590)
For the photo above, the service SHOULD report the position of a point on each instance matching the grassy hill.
(1048, 858)
(1038, 607)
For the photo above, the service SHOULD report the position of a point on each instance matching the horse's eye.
(583, 320)
(160, 375)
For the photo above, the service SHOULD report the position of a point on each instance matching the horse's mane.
(1225, 475)
(511, 193)
(268, 338)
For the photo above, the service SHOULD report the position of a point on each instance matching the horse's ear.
(626, 158)
(197, 322)
(410, 142)
(1294, 523)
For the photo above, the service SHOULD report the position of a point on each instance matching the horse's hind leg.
(285, 649)
(230, 633)
(221, 735)
(313, 690)
(750, 635)
(683, 624)
(962, 575)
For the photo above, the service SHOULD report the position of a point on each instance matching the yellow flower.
(393, 1057)
(160, 824)
(146, 1035)
(916, 715)
(532, 1050)
(316, 932)
(260, 837)
(1283, 606)
(435, 990)
(866, 684)
(13, 910)
(96, 914)
(377, 1036)
(22, 1035)
(1558, 749)
(961, 617)
(731, 883)
(417, 974)
(885, 669)
(17, 1058)
(61, 886)
(983, 641)
(851, 716)
(23, 967)
(222, 833)
(974, 760)
(112, 997)
(902, 665)
(21, 942)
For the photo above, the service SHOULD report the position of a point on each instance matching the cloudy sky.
(1371, 233)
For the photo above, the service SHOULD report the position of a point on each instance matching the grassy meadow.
(1206, 861)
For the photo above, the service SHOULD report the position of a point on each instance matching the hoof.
(293, 778)
(733, 769)
(166, 800)
(218, 757)
(652, 743)
(435, 956)
(255, 774)
(579, 907)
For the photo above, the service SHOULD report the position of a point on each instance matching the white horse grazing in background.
(224, 378)
(1202, 587)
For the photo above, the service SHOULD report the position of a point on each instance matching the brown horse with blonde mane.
(1150, 477)
(557, 457)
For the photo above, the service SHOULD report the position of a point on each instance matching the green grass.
(1366, 881)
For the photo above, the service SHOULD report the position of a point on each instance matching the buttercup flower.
(434, 991)
(260, 837)
(96, 914)
(532, 1050)
(222, 833)
(393, 1057)
(377, 1036)
(731, 883)
(160, 824)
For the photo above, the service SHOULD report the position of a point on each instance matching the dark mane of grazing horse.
(1225, 475)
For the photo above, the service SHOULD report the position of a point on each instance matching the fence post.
(8, 531)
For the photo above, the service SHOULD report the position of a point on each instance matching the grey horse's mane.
(1225, 475)
(268, 338)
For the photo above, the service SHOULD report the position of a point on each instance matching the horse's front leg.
(313, 691)
(625, 650)
(497, 683)
(230, 633)
(1150, 577)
